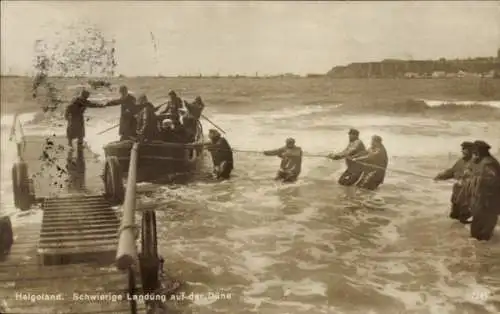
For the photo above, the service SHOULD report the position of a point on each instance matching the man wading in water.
(485, 192)
(291, 161)
(222, 155)
(460, 196)
(374, 165)
(355, 148)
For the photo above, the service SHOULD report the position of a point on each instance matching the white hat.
(166, 123)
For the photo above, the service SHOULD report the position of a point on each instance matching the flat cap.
(354, 132)
(377, 138)
(481, 145)
(467, 145)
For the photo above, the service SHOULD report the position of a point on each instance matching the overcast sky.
(264, 37)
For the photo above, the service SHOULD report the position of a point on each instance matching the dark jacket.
(74, 114)
(485, 186)
(291, 159)
(195, 109)
(147, 123)
(221, 151)
(457, 171)
(173, 107)
(127, 114)
(353, 149)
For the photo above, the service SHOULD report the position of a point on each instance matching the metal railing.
(126, 255)
(126, 252)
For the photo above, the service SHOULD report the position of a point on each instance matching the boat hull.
(158, 160)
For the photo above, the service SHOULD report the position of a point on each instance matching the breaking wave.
(486, 110)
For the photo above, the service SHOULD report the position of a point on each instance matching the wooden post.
(126, 253)
(17, 134)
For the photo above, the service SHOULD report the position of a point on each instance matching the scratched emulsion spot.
(77, 50)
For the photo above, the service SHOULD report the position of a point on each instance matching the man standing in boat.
(355, 148)
(460, 196)
(375, 163)
(173, 106)
(291, 161)
(193, 114)
(127, 114)
(74, 114)
(147, 122)
(222, 154)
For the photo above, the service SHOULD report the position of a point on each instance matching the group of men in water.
(475, 196)
(366, 168)
(138, 118)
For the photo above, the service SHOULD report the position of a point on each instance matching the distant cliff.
(416, 68)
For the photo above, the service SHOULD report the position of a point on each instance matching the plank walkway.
(65, 258)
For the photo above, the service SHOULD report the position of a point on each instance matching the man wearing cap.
(173, 106)
(74, 115)
(147, 122)
(355, 148)
(127, 114)
(485, 190)
(291, 161)
(375, 163)
(222, 154)
(193, 114)
(460, 196)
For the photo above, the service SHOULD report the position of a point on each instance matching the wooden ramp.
(77, 229)
(62, 258)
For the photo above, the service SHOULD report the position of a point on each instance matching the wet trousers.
(460, 213)
(370, 180)
(285, 176)
(349, 177)
(223, 171)
(483, 224)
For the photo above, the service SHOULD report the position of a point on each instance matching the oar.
(116, 125)
(215, 125)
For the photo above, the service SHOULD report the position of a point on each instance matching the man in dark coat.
(127, 114)
(222, 155)
(375, 163)
(147, 122)
(193, 114)
(291, 161)
(195, 108)
(173, 106)
(354, 149)
(485, 190)
(460, 198)
(74, 114)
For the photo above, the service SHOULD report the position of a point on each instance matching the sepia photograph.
(288, 157)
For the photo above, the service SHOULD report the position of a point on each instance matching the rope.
(133, 227)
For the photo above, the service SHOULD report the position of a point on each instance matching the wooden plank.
(70, 204)
(77, 244)
(54, 251)
(52, 207)
(82, 232)
(77, 222)
(58, 226)
(76, 198)
(80, 215)
(69, 238)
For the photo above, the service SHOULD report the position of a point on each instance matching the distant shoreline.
(316, 76)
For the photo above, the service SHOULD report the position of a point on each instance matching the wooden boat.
(157, 162)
